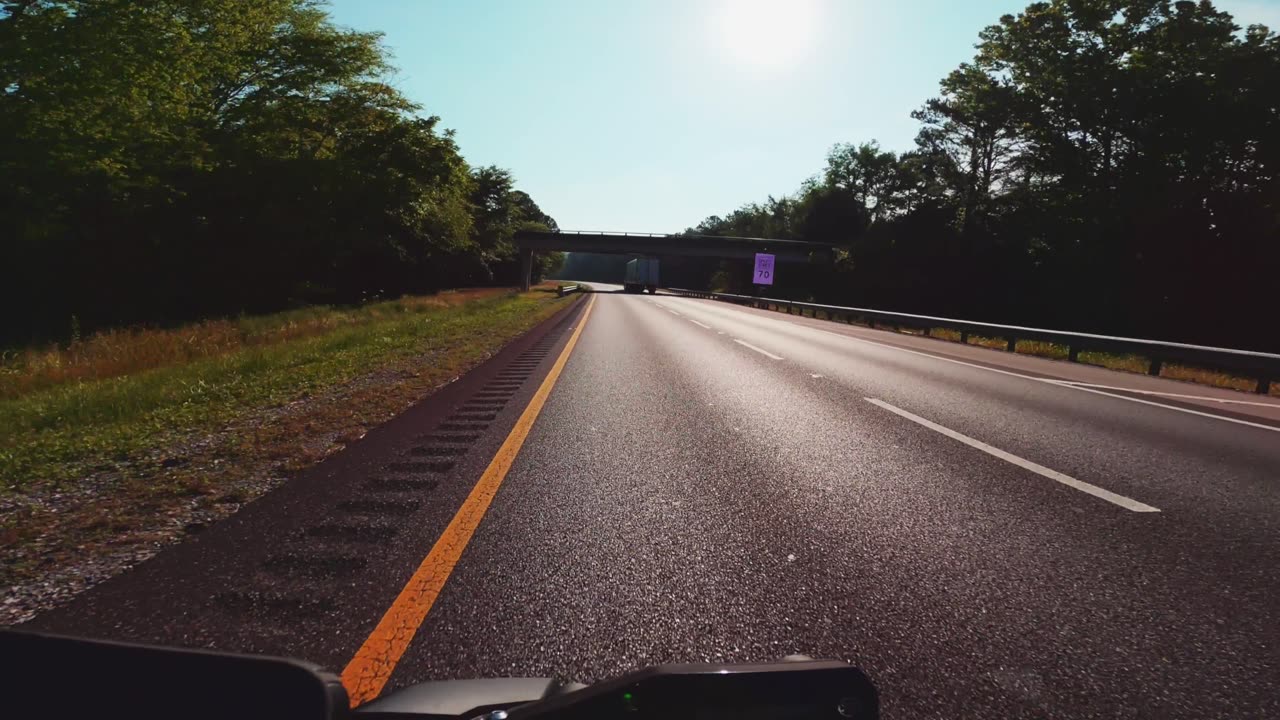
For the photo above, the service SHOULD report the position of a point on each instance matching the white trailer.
(642, 274)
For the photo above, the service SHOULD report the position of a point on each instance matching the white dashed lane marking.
(762, 351)
(1084, 487)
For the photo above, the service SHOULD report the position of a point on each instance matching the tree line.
(177, 159)
(1099, 165)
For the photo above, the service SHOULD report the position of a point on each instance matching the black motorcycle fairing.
(461, 698)
(52, 676)
(804, 689)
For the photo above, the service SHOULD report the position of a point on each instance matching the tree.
(196, 157)
(829, 214)
(1105, 165)
(974, 125)
(866, 172)
(1146, 121)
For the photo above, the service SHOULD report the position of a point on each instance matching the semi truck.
(642, 274)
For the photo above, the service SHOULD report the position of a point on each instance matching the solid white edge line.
(1084, 487)
(1047, 381)
(1171, 407)
(701, 325)
(1160, 393)
(744, 343)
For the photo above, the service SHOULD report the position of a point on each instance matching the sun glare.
(771, 34)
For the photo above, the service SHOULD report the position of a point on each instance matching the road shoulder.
(76, 535)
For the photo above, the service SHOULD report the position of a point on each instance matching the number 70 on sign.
(764, 269)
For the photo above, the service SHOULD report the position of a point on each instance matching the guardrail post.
(1154, 368)
(964, 337)
(1012, 346)
(871, 323)
(925, 332)
(1073, 353)
(1264, 386)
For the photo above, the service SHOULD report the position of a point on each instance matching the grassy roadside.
(91, 468)
(113, 353)
(1112, 361)
(1123, 362)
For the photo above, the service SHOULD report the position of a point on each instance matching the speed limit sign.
(764, 269)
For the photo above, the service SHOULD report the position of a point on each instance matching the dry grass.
(114, 353)
(1042, 349)
(1127, 363)
(994, 343)
(1211, 377)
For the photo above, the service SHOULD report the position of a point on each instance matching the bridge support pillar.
(526, 268)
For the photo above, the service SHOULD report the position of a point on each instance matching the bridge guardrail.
(1263, 367)
(615, 233)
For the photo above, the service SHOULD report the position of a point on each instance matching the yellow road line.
(376, 659)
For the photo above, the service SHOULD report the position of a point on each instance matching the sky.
(650, 115)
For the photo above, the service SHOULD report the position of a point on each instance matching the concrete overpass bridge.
(650, 244)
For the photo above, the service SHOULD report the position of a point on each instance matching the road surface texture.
(986, 535)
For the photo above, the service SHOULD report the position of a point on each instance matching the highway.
(655, 479)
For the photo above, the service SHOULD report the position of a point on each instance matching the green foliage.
(865, 172)
(1104, 165)
(499, 211)
(591, 266)
(173, 159)
(57, 433)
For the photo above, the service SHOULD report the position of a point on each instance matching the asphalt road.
(986, 535)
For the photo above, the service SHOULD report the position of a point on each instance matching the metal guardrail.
(566, 289)
(683, 237)
(1264, 367)
(614, 232)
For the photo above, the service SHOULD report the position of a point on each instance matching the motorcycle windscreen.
(49, 676)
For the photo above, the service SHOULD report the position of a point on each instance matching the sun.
(773, 34)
